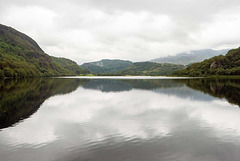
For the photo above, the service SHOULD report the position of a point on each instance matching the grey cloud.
(179, 8)
(138, 30)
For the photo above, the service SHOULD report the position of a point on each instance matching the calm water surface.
(75, 119)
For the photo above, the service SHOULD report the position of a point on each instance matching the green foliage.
(107, 66)
(8, 72)
(1, 74)
(70, 66)
(218, 65)
(151, 69)
(20, 56)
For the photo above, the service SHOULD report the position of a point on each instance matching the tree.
(1, 74)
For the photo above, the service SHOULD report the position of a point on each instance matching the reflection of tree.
(221, 88)
(153, 84)
(106, 85)
(21, 98)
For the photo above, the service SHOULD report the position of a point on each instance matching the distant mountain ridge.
(228, 64)
(21, 56)
(124, 67)
(107, 66)
(193, 56)
(151, 69)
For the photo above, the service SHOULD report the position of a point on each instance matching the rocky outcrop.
(215, 65)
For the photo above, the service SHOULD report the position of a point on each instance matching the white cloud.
(223, 31)
(90, 30)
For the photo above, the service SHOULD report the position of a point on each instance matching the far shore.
(128, 77)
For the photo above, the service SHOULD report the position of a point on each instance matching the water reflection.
(106, 85)
(221, 88)
(21, 98)
(122, 120)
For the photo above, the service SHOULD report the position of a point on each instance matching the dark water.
(120, 120)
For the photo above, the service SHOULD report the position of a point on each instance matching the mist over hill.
(228, 64)
(193, 56)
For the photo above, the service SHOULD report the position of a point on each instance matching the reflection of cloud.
(87, 117)
(129, 114)
(30, 133)
(221, 116)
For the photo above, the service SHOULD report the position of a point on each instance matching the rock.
(215, 65)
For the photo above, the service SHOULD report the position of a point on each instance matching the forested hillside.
(70, 66)
(151, 69)
(218, 65)
(21, 56)
(107, 66)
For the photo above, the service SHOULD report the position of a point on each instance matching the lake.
(120, 119)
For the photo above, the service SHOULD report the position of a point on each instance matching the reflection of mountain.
(184, 88)
(185, 92)
(153, 84)
(164, 86)
(21, 98)
(106, 85)
(221, 88)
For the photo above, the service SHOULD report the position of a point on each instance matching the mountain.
(218, 65)
(21, 56)
(191, 57)
(151, 69)
(70, 66)
(107, 66)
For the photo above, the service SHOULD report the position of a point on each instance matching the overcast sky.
(137, 30)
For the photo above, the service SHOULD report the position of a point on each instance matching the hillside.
(70, 66)
(218, 65)
(191, 57)
(151, 69)
(107, 66)
(21, 56)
